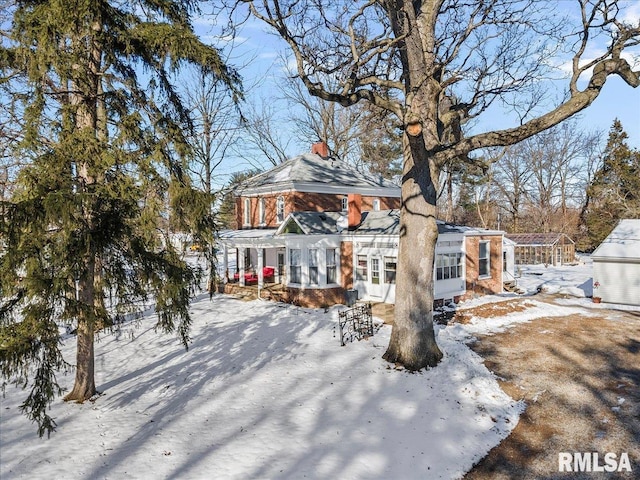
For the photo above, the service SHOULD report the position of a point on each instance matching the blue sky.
(617, 99)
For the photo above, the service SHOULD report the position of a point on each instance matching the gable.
(622, 243)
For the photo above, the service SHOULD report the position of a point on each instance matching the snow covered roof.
(310, 172)
(312, 223)
(537, 238)
(623, 242)
(387, 222)
(383, 222)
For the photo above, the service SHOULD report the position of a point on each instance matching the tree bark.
(413, 342)
(85, 387)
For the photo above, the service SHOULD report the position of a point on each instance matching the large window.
(247, 211)
(389, 269)
(484, 260)
(280, 210)
(295, 266)
(332, 267)
(361, 268)
(313, 266)
(448, 265)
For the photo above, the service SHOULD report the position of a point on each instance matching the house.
(548, 248)
(314, 231)
(616, 265)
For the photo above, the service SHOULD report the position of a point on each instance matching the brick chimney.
(320, 148)
(354, 212)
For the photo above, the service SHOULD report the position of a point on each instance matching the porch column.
(225, 264)
(260, 267)
(240, 260)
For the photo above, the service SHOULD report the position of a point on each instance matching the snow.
(571, 280)
(266, 391)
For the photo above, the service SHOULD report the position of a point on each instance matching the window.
(504, 261)
(345, 204)
(295, 267)
(448, 265)
(247, 211)
(313, 266)
(389, 269)
(262, 212)
(280, 210)
(361, 268)
(332, 270)
(484, 259)
(375, 271)
(376, 204)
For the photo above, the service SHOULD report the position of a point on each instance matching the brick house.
(324, 232)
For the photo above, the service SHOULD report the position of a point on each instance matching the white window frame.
(313, 267)
(394, 261)
(332, 266)
(362, 269)
(262, 212)
(280, 209)
(449, 266)
(297, 266)
(486, 258)
(376, 204)
(345, 204)
(246, 214)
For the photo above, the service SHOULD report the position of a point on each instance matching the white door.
(375, 288)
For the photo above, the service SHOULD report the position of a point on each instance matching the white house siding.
(375, 249)
(616, 265)
(617, 281)
(447, 289)
(304, 243)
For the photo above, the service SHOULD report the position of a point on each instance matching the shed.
(616, 265)
(547, 248)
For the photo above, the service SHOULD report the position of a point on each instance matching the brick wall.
(301, 202)
(346, 265)
(483, 285)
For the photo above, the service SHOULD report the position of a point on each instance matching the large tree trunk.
(85, 387)
(413, 342)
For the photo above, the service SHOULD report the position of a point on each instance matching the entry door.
(376, 287)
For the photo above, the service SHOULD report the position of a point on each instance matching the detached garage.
(616, 265)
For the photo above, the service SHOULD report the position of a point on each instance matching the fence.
(355, 323)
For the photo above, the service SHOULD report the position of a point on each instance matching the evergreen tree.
(81, 238)
(380, 142)
(614, 193)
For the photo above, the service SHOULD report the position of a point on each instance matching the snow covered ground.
(266, 391)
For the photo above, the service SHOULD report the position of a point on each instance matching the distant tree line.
(562, 180)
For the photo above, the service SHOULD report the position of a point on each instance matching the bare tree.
(512, 178)
(262, 134)
(216, 124)
(435, 65)
(540, 180)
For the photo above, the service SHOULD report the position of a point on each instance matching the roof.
(623, 243)
(383, 222)
(310, 172)
(537, 238)
(314, 223)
